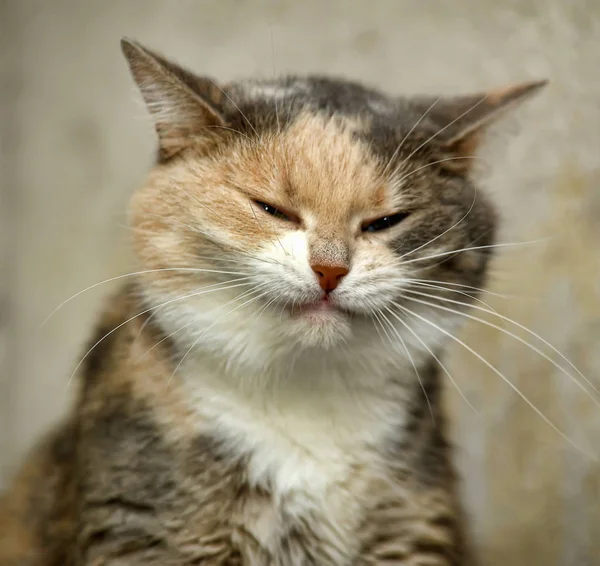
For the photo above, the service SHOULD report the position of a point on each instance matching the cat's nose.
(329, 275)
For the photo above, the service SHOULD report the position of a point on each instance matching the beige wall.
(75, 141)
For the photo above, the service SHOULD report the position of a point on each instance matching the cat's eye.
(384, 222)
(276, 212)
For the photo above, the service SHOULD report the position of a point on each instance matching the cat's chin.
(318, 327)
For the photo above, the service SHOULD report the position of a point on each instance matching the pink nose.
(329, 275)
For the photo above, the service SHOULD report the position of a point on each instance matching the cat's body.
(258, 395)
(151, 471)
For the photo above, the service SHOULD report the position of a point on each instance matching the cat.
(264, 391)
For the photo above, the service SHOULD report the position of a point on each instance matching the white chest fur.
(304, 436)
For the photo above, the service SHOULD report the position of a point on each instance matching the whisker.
(378, 324)
(205, 331)
(440, 131)
(472, 297)
(184, 269)
(411, 361)
(503, 377)
(470, 244)
(434, 356)
(489, 246)
(236, 107)
(268, 304)
(147, 321)
(515, 336)
(274, 76)
(478, 289)
(456, 158)
(180, 298)
(444, 232)
(394, 155)
(284, 306)
(230, 129)
(377, 316)
(235, 299)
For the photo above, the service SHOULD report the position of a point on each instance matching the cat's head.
(309, 214)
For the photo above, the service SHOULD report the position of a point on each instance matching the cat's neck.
(300, 429)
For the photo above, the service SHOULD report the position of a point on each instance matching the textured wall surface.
(75, 141)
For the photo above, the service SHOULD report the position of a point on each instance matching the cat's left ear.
(184, 107)
(465, 119)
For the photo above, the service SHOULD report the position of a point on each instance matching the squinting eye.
(384, 223)
(273, 211)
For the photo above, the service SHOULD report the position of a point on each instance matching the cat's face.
(306, 214)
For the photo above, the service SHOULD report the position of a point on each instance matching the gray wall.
(75, 142)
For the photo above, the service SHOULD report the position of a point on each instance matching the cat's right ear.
(183, 106)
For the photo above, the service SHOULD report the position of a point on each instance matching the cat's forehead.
(318, 162)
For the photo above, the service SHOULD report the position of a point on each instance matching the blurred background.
(75, 141)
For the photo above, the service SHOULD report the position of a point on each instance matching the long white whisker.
(185, 269)
(504, 378)
(510, 244)
(444, 232)
(147, 321)
(180, 298)
(440, 131)
(235, 299)
(378, 324)
(377, 316)
(438, 287)
(407, 326)
(461, 285)
(230, 130)
(206, 330)
(512, 335)
(236, 106)
(391, 160)
(274, 76)
(456, 158)
(411, 361)
(268, 304)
